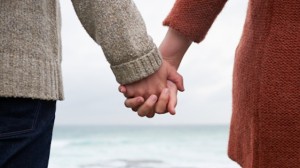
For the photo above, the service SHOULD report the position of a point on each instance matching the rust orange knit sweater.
(265, 125)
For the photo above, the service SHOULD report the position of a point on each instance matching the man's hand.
(153, 89)
(172, 48)
(166, 103)
(155, 83)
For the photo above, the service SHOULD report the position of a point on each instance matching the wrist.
(174, 46)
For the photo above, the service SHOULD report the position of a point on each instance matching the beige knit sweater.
(30, 44)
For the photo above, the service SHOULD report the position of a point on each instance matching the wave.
(124, 163)
(60, 143)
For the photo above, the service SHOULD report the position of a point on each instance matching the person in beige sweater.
(30, 68)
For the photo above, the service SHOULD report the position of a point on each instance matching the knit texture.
(265, 125)
(30, 44)
(117, 26)
(197, 14)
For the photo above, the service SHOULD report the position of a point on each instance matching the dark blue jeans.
(25, 132)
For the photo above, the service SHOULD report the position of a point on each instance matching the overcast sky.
(91, 90)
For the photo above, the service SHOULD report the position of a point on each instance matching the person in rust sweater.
(265, 125)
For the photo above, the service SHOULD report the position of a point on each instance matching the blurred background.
(94, 129)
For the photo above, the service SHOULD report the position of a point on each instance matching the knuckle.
(150, 116)
(126, 104)
(141, 114)
(180, 78)
(128, 95)
(160, 111)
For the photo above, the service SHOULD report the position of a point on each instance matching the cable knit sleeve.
(193, 18)
(117, 26)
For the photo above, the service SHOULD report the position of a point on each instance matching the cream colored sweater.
(30, 44)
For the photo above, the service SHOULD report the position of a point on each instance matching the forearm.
(117, 26)
(174, 46)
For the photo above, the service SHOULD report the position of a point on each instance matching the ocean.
(140, 147)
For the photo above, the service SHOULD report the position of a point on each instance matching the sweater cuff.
(193, 18)
(138, 69)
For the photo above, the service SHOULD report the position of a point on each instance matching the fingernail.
(139, 100)
(166, 91)
(153, 98)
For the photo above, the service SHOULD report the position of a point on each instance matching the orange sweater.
(265, 125)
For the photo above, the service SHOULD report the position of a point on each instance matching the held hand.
(173, 48)
(155, 83)
(153, 89)
(166, 103)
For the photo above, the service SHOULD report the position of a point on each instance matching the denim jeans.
(25, 132)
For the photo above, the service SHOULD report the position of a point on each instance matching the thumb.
(176, 78)
(173, 97)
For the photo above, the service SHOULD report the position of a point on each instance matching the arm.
(173, 48)
(117, 26)
(189, 20)
(193, 18)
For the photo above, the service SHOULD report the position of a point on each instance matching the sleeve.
(193, 18)
(117, 26)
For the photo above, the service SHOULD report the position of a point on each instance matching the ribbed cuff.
(138, 69)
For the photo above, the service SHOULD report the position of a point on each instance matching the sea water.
(140, 147)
